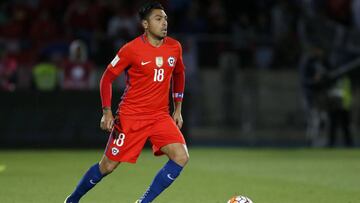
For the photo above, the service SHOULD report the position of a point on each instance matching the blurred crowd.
(51, 44)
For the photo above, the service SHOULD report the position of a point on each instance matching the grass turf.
(213, 175)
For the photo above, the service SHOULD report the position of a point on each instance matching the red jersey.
(149, 71)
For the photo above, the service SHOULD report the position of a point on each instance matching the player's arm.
(177, 114)
(113, 70)
(178, 89)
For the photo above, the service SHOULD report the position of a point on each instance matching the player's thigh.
(176, 152)
(165, 132)
(127, 140)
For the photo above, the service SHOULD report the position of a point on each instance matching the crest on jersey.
(171, 61)
(159, 61)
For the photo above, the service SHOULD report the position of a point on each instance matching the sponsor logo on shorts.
(114, 151)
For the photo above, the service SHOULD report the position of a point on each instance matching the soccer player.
(150, 62)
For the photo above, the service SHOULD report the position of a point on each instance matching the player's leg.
(91, 178)
(96, 172)
(124, 145)
(169, 139)
(177, 152)
(178, 157)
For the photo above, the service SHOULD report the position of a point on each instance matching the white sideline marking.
(2, 168)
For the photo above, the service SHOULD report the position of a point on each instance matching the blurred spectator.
(176, 10)
(45, 75)
(228, 63)
(264, 51)
(193, 21)
(81, 18)
(15, 26)
(284, 17)
(55, 7)
(78, 70)
(339, 111)
(8, 71)
(313, 67)
(122, 26)
(339, 10)
(281, 17)
(3, 14)
(13, 31)
(355, 8)
(190, 58)
(308, 7)
(43, 29)
(243, 37)
(217, 17)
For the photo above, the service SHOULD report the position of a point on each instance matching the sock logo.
(92, 182)
(169, 176)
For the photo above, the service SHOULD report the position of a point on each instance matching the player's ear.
(145, 24)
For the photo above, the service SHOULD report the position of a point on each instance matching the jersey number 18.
(158, 75)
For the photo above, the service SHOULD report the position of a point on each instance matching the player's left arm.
(178, 85)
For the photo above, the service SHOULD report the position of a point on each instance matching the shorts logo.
(159, 61)
(171, 61)
(114, 151)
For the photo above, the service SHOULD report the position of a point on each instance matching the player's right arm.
(113, 70)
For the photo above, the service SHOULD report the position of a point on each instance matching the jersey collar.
(145, 40)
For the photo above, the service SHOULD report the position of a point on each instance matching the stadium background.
(244, 113)
(243, 80)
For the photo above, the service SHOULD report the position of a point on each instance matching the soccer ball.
(240, 199)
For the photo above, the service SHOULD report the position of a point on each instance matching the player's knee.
(181, 159)
(107, 166)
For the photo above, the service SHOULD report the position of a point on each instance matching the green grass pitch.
(213, 175)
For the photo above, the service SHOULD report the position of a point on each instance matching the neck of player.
(153, 40)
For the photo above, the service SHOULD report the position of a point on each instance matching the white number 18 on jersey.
(158, 75)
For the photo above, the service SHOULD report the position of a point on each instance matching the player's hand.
(178, 119)
(107, 120)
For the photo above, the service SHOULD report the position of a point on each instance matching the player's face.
(157, 23)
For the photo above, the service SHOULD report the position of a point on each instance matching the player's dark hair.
(146, 9)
